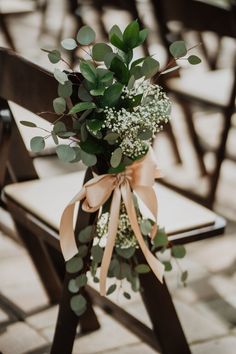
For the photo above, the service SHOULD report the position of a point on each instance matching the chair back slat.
(26, 84)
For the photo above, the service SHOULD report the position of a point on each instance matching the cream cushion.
(213, 86)
(48, 197)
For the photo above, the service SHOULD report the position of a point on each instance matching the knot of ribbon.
(138, 177)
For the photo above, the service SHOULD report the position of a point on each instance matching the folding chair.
(37, 214)
(214, 89)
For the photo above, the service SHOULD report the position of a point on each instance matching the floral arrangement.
(108, 115)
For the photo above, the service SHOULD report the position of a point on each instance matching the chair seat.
(48, 197)
(213, 87)
(12, 7)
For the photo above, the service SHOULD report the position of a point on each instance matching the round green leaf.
(86, 35)
(74, 265)
(111, 289)
(97, 253)
(65, 153)
(94, 124)
(146, 227)
(116, 157)
(178, 49)
(83, 93)
(86, 235)
(59, 127)
(194, 59)
(125, 252)
(111, 137)
(83, 251)
(69, 44)
(59, 105)
(150, 67)
(82, 106)
(54, 56)
(37, 144)
(142, 268)
(65, 90)
(168, 266)
(161, 239)
(73, 286)
(81, 280)
(100, 50)
(88, 159)
(78, 303)
(178, 251)
(145, 134)
(60, 76)
(27, 123)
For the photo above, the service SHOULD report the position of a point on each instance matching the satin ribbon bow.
(139, 177)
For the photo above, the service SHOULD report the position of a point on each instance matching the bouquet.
(108, 115)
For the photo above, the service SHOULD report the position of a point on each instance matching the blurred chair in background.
(213, 90)
(16, 8)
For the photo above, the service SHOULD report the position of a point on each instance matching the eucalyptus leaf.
(116, 157)
(82, 106)
(86, 235)
(127, 295)
(78, 304)
(161, 239)
(97, 253)
(59, 105)
(194, 59)
(65, 90)
(145, 134)
(72, 286)
(69, 44)
(111, 137)
(178, 251)
(27, 123)
(142, 268)
(88, 159)
(100, 50)
(55, 138)
(111, 289)
(60, 76)
(168, 266)
(74, 265)
(146, 227)
(54, 56)
(150, 67)
(77, 151)
(81, 280)
(82, 251)
(59, 127)
(86, 35)
(65, 153)
(178, 49)
(37, 144)
(125, 252)
(137, 72)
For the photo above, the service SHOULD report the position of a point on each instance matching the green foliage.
(131, 35)
(100, 50)
(161, 239)
(168, 266)
(178, 49)
(111, 289)
(54, 56)
(59, 105)
(60, 76)
(78, 304)
(65, 153)
(178, 251)
(86, 235)
(65, 90)
(194, 60)
(86, 35)
(27, 123)
(82, 106)
(69, 44)
(150, 67)
(142, 268)
(88, 159)
(111, 95)
(37, 144)
(116, 157)
(74, 265)
(88, 71)
(126, 253)
(146, 227)
(97, 253)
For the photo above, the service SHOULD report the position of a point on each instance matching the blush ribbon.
(139, 177)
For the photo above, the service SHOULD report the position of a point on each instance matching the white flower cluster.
(148, 116)
(125, 236)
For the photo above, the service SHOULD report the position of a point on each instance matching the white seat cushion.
(213, 86)
(16, 6)
(47, 199)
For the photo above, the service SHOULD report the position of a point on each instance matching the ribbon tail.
(156, 266)
(67, 235)
(112, 230)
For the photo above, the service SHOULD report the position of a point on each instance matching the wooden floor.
(207, 306)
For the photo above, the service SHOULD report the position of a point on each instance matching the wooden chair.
(214, 89)
(16, 8)
(37, 213)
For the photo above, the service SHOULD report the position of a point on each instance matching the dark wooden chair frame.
(42, 242)
(197, 16)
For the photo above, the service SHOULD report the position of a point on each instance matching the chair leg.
(67, 322)
(173, 143)
(161, 310)
(42, 262)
